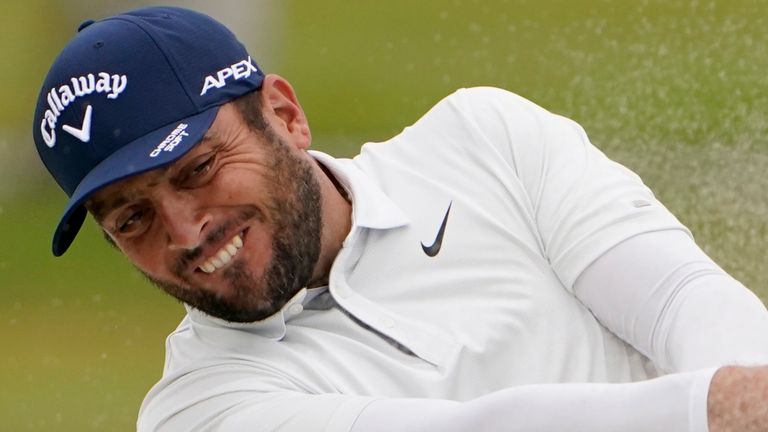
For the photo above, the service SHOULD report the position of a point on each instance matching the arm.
(615, 246)
(674, 403)
(738, 400)
(662, 294)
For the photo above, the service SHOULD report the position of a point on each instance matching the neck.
(337, 222)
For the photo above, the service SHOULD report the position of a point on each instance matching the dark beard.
(294, 209)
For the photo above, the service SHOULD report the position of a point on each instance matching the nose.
(185, 223)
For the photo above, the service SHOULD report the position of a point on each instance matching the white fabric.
(533, 204)
(670, 403)
(663, 293)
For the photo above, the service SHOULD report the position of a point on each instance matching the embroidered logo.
(171, 141)
(60, 98)
(84, 133)
(239, 70)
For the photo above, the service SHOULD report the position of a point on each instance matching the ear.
(283, 112)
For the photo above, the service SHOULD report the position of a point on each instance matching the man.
(488, 269)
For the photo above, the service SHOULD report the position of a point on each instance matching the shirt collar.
(371, 209)
(272, 327)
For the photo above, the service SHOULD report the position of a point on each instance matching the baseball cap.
(131, 93)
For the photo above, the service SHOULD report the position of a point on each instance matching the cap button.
(85, 24)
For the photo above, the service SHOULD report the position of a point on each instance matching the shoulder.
(486, 117)
(475, 101)
(484, 94)
(208, 370)
(489, 112)
(489, 119)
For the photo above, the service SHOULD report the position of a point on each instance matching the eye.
(198, 171)
(132, 221)
(203, 167)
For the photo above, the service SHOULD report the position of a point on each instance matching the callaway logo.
(434, 248)
(241, 69)
(171, 141)
(84, 133)
(59, 99)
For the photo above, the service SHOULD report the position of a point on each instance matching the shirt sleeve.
(295, 413)
(236, 397)
(663, 294)
(225, 401)
(673, 403)
(581, 202)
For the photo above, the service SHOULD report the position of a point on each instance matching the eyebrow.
(101, 208)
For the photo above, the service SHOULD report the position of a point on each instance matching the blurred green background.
(676, 90)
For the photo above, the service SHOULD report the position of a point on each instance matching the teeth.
(223, 256)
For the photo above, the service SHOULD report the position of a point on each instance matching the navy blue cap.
(131, 93)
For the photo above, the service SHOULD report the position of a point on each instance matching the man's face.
(232, 228)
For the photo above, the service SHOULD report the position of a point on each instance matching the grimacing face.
(232, 228)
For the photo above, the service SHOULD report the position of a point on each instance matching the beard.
(293, 207)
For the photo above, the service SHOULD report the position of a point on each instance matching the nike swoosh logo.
(434, 248)
(84, 133)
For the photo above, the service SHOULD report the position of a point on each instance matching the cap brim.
(130, 160)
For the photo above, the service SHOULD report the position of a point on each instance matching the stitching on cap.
(168, 59)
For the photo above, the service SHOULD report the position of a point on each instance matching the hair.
(249, 107)
(108, 237)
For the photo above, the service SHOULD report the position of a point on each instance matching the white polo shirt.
(532, 204)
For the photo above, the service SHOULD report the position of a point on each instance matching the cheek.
(237, 186)
(148, 258)
(257, 248)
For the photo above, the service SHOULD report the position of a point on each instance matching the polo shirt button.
(295, 309)
(388, 322)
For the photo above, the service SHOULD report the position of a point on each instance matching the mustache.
(215, 235)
